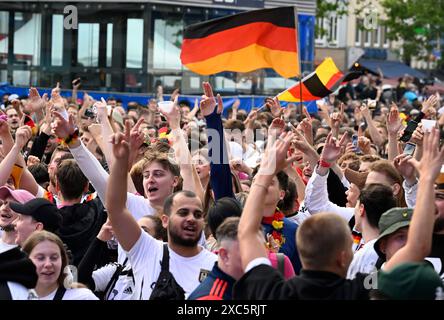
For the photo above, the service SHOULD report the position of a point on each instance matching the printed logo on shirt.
(203, 274)
(128, 290)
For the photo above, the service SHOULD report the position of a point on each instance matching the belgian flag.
(244, 42)
(320, 83)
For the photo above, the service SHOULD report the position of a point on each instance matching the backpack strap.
(115, 276)
(166, 258)
(281, 262)
(59, 293)
(5, 292)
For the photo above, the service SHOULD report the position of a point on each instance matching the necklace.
(276, 221)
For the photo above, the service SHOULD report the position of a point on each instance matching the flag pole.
(299, 58)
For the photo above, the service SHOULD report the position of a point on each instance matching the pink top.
(288, 267)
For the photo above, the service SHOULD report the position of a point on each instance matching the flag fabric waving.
(320, 83)
(244, 42)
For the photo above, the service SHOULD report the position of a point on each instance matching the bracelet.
(324, 164)
(72, 137)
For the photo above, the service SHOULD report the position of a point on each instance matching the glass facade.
(132, 47)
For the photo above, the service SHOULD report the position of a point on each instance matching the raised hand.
(274, 105)
(22, 136)
(364, 144)
(429, 103)
(417, 135)
(61, 127)
(102, 109)
(249, 122)
(4, 127)
(35, 101)
(405, 167)
(432, 157)
(76, 84)
(277, 127)
(121, 147)
(236, 104)
(137, 138)
(32, 160)
(365, 111)
(275, 156)
(175, 94)
(332, 149)
(173, 115)
(394, 122)
(208, 102)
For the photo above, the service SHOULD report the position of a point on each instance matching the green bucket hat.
(410, 281)
(390, 222)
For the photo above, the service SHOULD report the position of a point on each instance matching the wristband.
(324, 164)
(72, 137)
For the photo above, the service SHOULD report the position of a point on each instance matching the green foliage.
(325, 8)
(417, 23)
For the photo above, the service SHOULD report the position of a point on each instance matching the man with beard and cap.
(183, 218)
(7, 216)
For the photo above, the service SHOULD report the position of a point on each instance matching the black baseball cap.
(42, 211)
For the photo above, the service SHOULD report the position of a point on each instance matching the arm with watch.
(316, 193)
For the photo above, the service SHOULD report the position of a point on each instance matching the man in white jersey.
(183, 218)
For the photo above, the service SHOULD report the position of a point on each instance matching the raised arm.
(393, 125)
(374, 133)
(124, 225)
(182, 153)
(419, 238)
(221, 182)
(251, 241)
(22, 135)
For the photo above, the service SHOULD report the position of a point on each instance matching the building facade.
(130, 46)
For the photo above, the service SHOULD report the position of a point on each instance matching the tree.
(325, 8)
(417, 23)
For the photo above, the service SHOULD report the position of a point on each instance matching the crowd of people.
(208, 202)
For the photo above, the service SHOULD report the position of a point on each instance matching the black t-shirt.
(266, 283)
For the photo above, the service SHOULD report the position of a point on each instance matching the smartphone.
(355, 143)
(409, 148)
(408, 131)
(76, 82)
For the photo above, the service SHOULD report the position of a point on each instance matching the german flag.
(320, 83)
(244, 42)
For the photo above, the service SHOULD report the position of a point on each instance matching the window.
(377, 42)
(167, 44)
(386, 42)
(358, 32)
(109, 44)
(57, 40)
(4, 22)
(367, 38)
(320, 38)
(134, 43)
(88, 45)
(333, 31)
(27, 34)
(328, 31)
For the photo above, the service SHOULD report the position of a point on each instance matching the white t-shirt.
(364, 260)
(146, 257)
(73, 294)
(5, 247)
(124, 288)
(18, 291)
